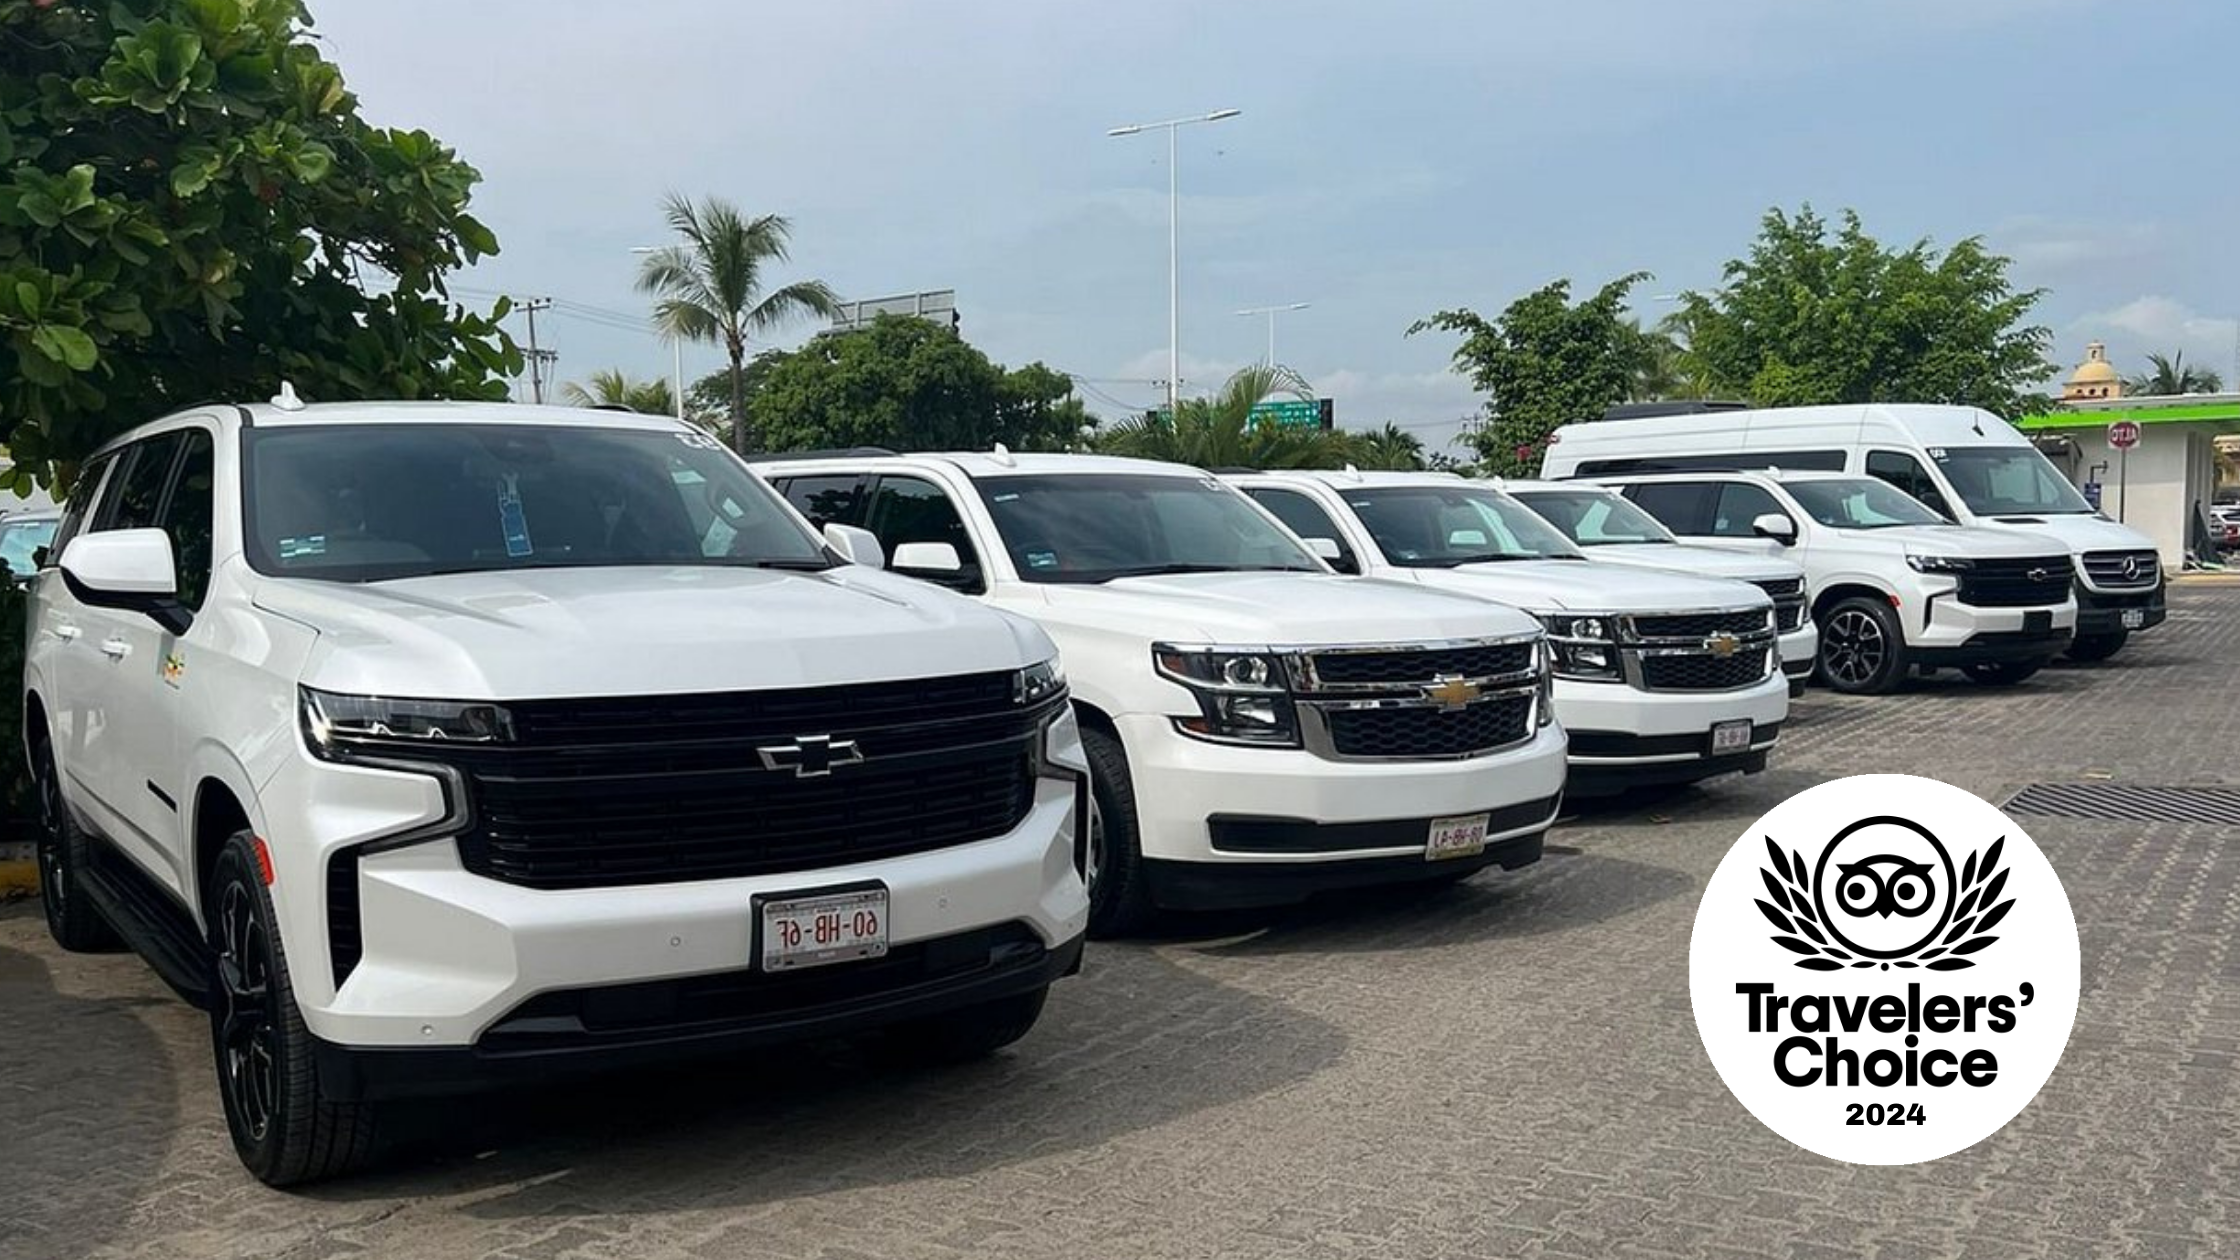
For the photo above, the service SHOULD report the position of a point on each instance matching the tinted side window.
(1685, 507)
(136, 496)
(1304, 517)
(910, 510)
(1906, 473)
(826, 500)
(189, 515)
(1731, 461)
(78, 510)
(1739, 504)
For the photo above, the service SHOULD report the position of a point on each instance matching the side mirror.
(1775, 526)
(856, 545)
(129, 569)
(926, 557)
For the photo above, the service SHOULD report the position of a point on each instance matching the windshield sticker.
(297, 548)
(513, 521)
(1042, 559)
(700, 441)
(1937, 453)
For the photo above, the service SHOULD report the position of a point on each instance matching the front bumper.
(570, 1033)
(1623, 737)
(1939, 622)
(1998, 647)
(1183, 784)
(1236, 885)
(1800, 650)
(2104, 612)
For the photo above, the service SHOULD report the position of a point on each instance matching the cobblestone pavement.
(1507, 1068)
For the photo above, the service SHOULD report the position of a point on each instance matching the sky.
(1392, 159)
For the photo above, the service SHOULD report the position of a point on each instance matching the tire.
(1862, 648)
(2097, 647)
(2001, 673)
(284, 1132)
(63, 851)
(967, 1033)
(1119, 893)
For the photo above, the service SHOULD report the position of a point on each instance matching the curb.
(18, 876)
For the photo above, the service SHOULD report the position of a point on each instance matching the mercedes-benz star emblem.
(810, 756)
(2131, 568)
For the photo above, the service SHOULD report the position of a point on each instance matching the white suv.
(1609, 529)
(1659, 678)
(1260, 728)
(1894, 586)
(441, 745)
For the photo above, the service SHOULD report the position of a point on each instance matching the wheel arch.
(1838, 592)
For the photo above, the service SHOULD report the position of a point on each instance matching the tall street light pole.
(1174, 239)
(1271, 312)
(676, 344)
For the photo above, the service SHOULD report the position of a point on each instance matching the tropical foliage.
(714, 287)
(609, 387)
(1222, 432)
(1391, 448)
(2173, 375)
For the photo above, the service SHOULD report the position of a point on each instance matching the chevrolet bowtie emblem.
(810, 756)
(1450, 692)
(2038, 575)
(1722, 645)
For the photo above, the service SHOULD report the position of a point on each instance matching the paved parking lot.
(1507, 1068)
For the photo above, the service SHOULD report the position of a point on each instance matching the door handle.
(68, 634)
(117, 649)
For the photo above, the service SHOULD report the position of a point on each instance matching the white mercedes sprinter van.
(1967, 464)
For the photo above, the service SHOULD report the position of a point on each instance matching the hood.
(1276, 609)
(1702, 561)
(1964, 540)
(538, 633)
(1573, 585)
(2076, 534)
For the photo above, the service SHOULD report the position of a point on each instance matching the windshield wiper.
(816, 565)
(1168, 570)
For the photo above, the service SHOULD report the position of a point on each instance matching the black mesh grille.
(1429, 732)
(346, 946)
(752, 714)
(1482, 661)
(1788, 601)
(1703, 673)
(2031, 582)
(2107, 568)
(1699, 625)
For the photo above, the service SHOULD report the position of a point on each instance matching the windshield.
(2008, 481)
(1860, 503)
(1100, 526)
(361, 503)
(1439, 527)
(1592, 518)
(20, 542)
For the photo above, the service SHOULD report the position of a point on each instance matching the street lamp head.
(1219, 114)
(1128, 130)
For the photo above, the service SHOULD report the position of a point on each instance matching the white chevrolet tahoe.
(435, 746)
(1659, 678)
(1611, 530)
(1894, 586)
(1259, 727)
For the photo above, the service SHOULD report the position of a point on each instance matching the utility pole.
(537, 357)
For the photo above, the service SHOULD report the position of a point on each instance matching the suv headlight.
(1243, 697)
(333, 723)
(1582, 647)
(1939, 564)
(1543, 663)
(1037, 683)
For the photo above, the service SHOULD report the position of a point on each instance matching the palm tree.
(2173, 375)
(711, 288)
(1392, 448)
(608, 387)
(1662, 366)
(1222, 432)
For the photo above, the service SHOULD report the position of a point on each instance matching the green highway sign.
(1307, 413)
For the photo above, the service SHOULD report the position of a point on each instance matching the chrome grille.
(1697, 650)
(2123, 569)
(1699, 625)
(1409, 701)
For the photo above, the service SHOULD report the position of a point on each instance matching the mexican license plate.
(823, 928)
(2133, 618)
(1460, 836)
(1729, 737)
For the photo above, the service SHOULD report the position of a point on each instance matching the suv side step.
(150, 922)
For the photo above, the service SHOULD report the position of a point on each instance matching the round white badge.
(1884, 969)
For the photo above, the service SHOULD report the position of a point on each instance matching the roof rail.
(1231, 470)
(1673, 407)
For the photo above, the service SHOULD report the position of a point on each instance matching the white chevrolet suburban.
(1659, 678)
(1260, 728)
(1894, 586)
(435, 746)
(1611, 530)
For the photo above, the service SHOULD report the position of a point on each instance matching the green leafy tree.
(713, 287)
(1809, 318)
(908, 384)
(193, 208)
(2173, 375)
(609, 387)
(1543, 362)
(1222, 432)
(1390, 448)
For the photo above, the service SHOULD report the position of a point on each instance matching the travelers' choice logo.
(1884, 969)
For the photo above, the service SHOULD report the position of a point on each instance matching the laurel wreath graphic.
(1976, 912)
